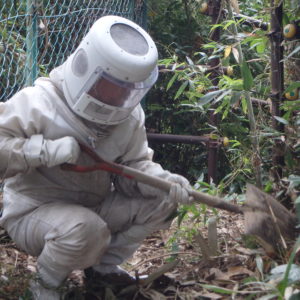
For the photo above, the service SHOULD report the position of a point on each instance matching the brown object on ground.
(270, 222)
(265, 217)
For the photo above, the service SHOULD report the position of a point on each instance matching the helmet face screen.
(109, 93)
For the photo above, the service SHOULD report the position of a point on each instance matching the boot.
(40, 292)
(109, 275)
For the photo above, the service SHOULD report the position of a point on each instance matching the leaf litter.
(176, 266)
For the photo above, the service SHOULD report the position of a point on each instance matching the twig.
(276, 224)
(160, 256)
(160, 271)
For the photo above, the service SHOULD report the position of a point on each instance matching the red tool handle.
(108, 167)
(147, 179)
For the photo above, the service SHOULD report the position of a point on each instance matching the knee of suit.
(87, 237)
(78, 248)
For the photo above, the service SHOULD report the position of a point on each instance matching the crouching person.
(89, 221)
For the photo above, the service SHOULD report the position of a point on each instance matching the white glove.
(57, 152)
(40, 152)
(179, 192)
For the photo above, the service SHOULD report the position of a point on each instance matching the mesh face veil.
(111, 70)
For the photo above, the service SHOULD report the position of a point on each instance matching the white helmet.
(111, 70)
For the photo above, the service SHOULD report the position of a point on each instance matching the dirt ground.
(178, 261)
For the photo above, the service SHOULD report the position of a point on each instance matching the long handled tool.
(264, 216)
(101, 164)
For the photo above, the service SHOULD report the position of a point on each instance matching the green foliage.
(192, 96)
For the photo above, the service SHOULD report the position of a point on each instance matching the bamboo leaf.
(229, 23)
(244, 105)
(297, 49)
(281, 120)
(235, 97)
(181, 89)
(190, 62)
(261, 47)
(213, 27)
(172, 80)
(225, 113)
(209, 97)
(225, 93)
(218, 289)
(247, 76)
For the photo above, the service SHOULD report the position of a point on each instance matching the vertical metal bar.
(131, 9)
(31, 69)
(144, 14)
(143, 23)
(277, 84)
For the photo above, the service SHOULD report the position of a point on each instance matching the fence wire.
(37, 35)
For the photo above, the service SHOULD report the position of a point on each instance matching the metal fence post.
(31, 68)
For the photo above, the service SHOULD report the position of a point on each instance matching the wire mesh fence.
(37, 35)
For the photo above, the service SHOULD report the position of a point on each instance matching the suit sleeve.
(21, 128)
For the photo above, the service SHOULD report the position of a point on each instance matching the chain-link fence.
(37, 35)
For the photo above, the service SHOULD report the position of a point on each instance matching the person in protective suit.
(84, 221)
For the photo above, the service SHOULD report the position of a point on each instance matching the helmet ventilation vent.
(129, 39)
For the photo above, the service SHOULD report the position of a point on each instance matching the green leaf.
(259, 44)
(281, 120)
(209, 97)
(181, 89)
(296, 50)
(225, 93)
(213, 27)
(292, 86)
(244, 105)
(172, 80)
(229, 23)
(225, 113)
(247, 76)
(235, 97)
(261, 47)
(285, 19)
(218, 289)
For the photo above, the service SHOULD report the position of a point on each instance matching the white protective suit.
(74, 220)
